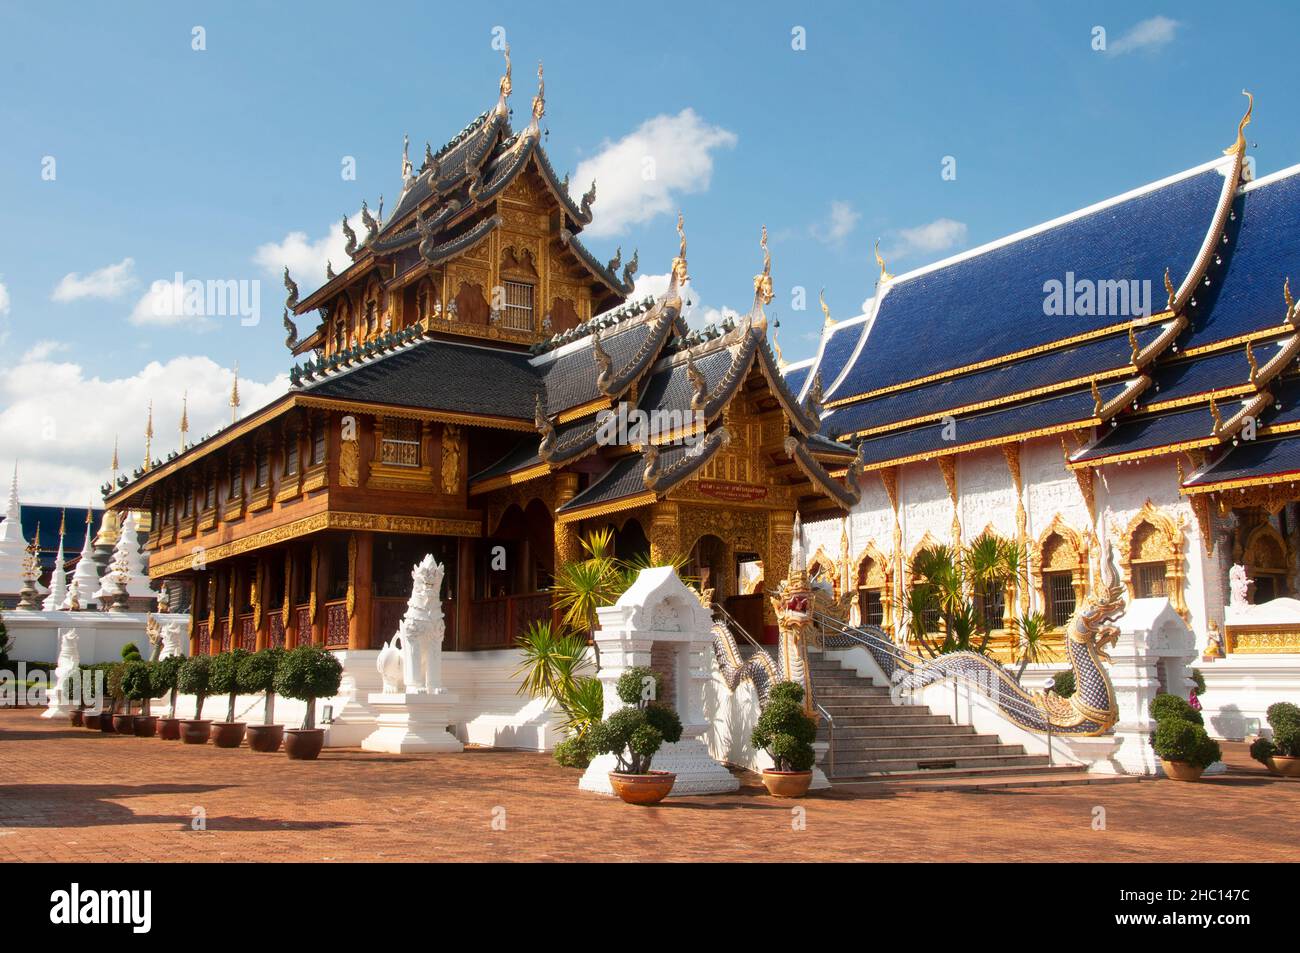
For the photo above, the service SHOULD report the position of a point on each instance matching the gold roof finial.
(826, 312)
(90, 516)
(1286, 296)
(1254, 364)
(234, 395)
(884, 272)
(776, 346)
(148, 439)
(1214, 412)
(680, 274)
(1096, 398)
(63, 522)
(1170, 291)
(1133, 349)
(506, 86)
(539, 101)
(185, 417)
(1240, 144)
(763, 280)
(115, 466)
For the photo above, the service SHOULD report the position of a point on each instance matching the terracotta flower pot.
(146, 726)
(90, 720)
(227, 734)
(304, 744)
(195, 732)
(124, 724)
(169, 729)
(76, 717)
(1287, 767)
(642, 788)
(786, 783)
(265, 737)
(1181, 770)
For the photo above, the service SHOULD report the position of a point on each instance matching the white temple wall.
(986, 496)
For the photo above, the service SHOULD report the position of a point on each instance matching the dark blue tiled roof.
(48, 517)
(989, 425)
(839, 347)
(670, 389)
(1262, 252)
(1200, 375)
(991, 304)
(1147, 433)
(1254, 459)
(795, 378)
(1043, 370)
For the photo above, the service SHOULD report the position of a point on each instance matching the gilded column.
(665, 532)
(1012, 453)
(319, 567)
(361, 550)
(258, 597)
(567, 547)
(889, 477)
(776, 565)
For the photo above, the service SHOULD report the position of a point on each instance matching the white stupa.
(13, 547)
(87, 571)
(126, 573)
(59, 577)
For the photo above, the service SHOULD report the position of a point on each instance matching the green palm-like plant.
(584, 706)
(552, 660)
(1032, 630)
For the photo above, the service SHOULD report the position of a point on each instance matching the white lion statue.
(172, 640)
(1239, 583)
(69, 661)
(413, 657)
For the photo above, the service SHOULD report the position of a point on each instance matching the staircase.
(909, 746)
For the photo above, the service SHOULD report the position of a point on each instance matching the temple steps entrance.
(878, 743)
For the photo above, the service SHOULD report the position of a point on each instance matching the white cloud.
(4, 299)
(644, 173)
(59, 424)
(696, 314)
(163, 306)
(43, 349)
(111, 281)
(1152, 34)
(839, 224)
(306, 257)
(929, 239)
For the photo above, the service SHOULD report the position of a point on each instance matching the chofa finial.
(884, 272)
(1240, 144)
(826, 311)
(539, 101)
(506, 87)
(763, 280)
(680, 273)
(1171, 291)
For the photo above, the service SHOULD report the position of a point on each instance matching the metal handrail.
(830, 722)
(736, 628)
(911, 660)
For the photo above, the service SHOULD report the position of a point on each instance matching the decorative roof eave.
(310, 342)
(616, 385)
(845, 494)
(579, 215)
(984, 444)
(797, 414)
(514, 478)
(334, 285)
(622, 287)
(378, 408)
(663, 481)
(437, 254)
(122, 496)
(605, 508)
(1131, 392)
(1250, 410)
(1241, 483)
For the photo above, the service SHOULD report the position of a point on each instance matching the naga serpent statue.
(1091, 710)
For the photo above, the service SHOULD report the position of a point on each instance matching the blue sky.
(206, 162)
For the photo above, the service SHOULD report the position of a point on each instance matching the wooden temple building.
(455, 382)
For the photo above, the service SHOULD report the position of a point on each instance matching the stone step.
(852, 752)
(825, 693)
(908, 719)
(859, 738)
(821, 682)
(943, 730)
(867, 706)
(855, 767)
(987, 779)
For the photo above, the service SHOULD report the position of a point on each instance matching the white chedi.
(13, 547)
(413, 656)
(58, 582)
(126, 575)
(69, 660)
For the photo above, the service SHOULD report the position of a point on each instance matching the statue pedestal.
(407, 723)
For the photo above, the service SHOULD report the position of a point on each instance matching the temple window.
(187, 501)
(400, 445)
(992, 604)
(236, 489)
(1266, 560)
(210, 492)
(518, 313)
(873, 583)
(291, 454)
(171, 510)
(317, 442)
(1149, 580)
(262, 460)
(1058, 590)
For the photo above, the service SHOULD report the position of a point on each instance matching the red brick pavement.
(69, 794)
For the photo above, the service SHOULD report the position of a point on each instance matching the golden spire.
(185, 417)
(763, 280)
(63, 522)
(680, 274)
(234, 395)
(884, 273)
(148, 439)
(826, 312)
(1170, 291)
(90, 516)
(115, 466)
(1240, 144)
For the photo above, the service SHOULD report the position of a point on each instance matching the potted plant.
(1281, 753)
(137, 685)
(194, 678)
(1184, 747)
(634, 734)
(224, 680)
(307, 673)
(786, 733)
(92, 681)
(165, 674)
(257, 674)
(121, 722)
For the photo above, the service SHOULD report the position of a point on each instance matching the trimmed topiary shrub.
(1179, 740)
(1165, 707)
(224, 677)
(1280, 714)
(634, 734)
(308, 673)
(165, 673)
(784, 729)
(257, 674)
(131, 653)
(113, 686)
(1261, 749)
(1199, 679)
(194, 679)
(1284, 719)
(1063, 683)
(574, 752)
(138, 684)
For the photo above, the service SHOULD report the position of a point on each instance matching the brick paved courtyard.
(69, 794)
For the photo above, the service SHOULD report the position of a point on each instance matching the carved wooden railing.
(302, 625)
(275, 630)
(336, 625)
(205, 638)
(388, 614)
(222, 636)
(247, 632)
(498, 623)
